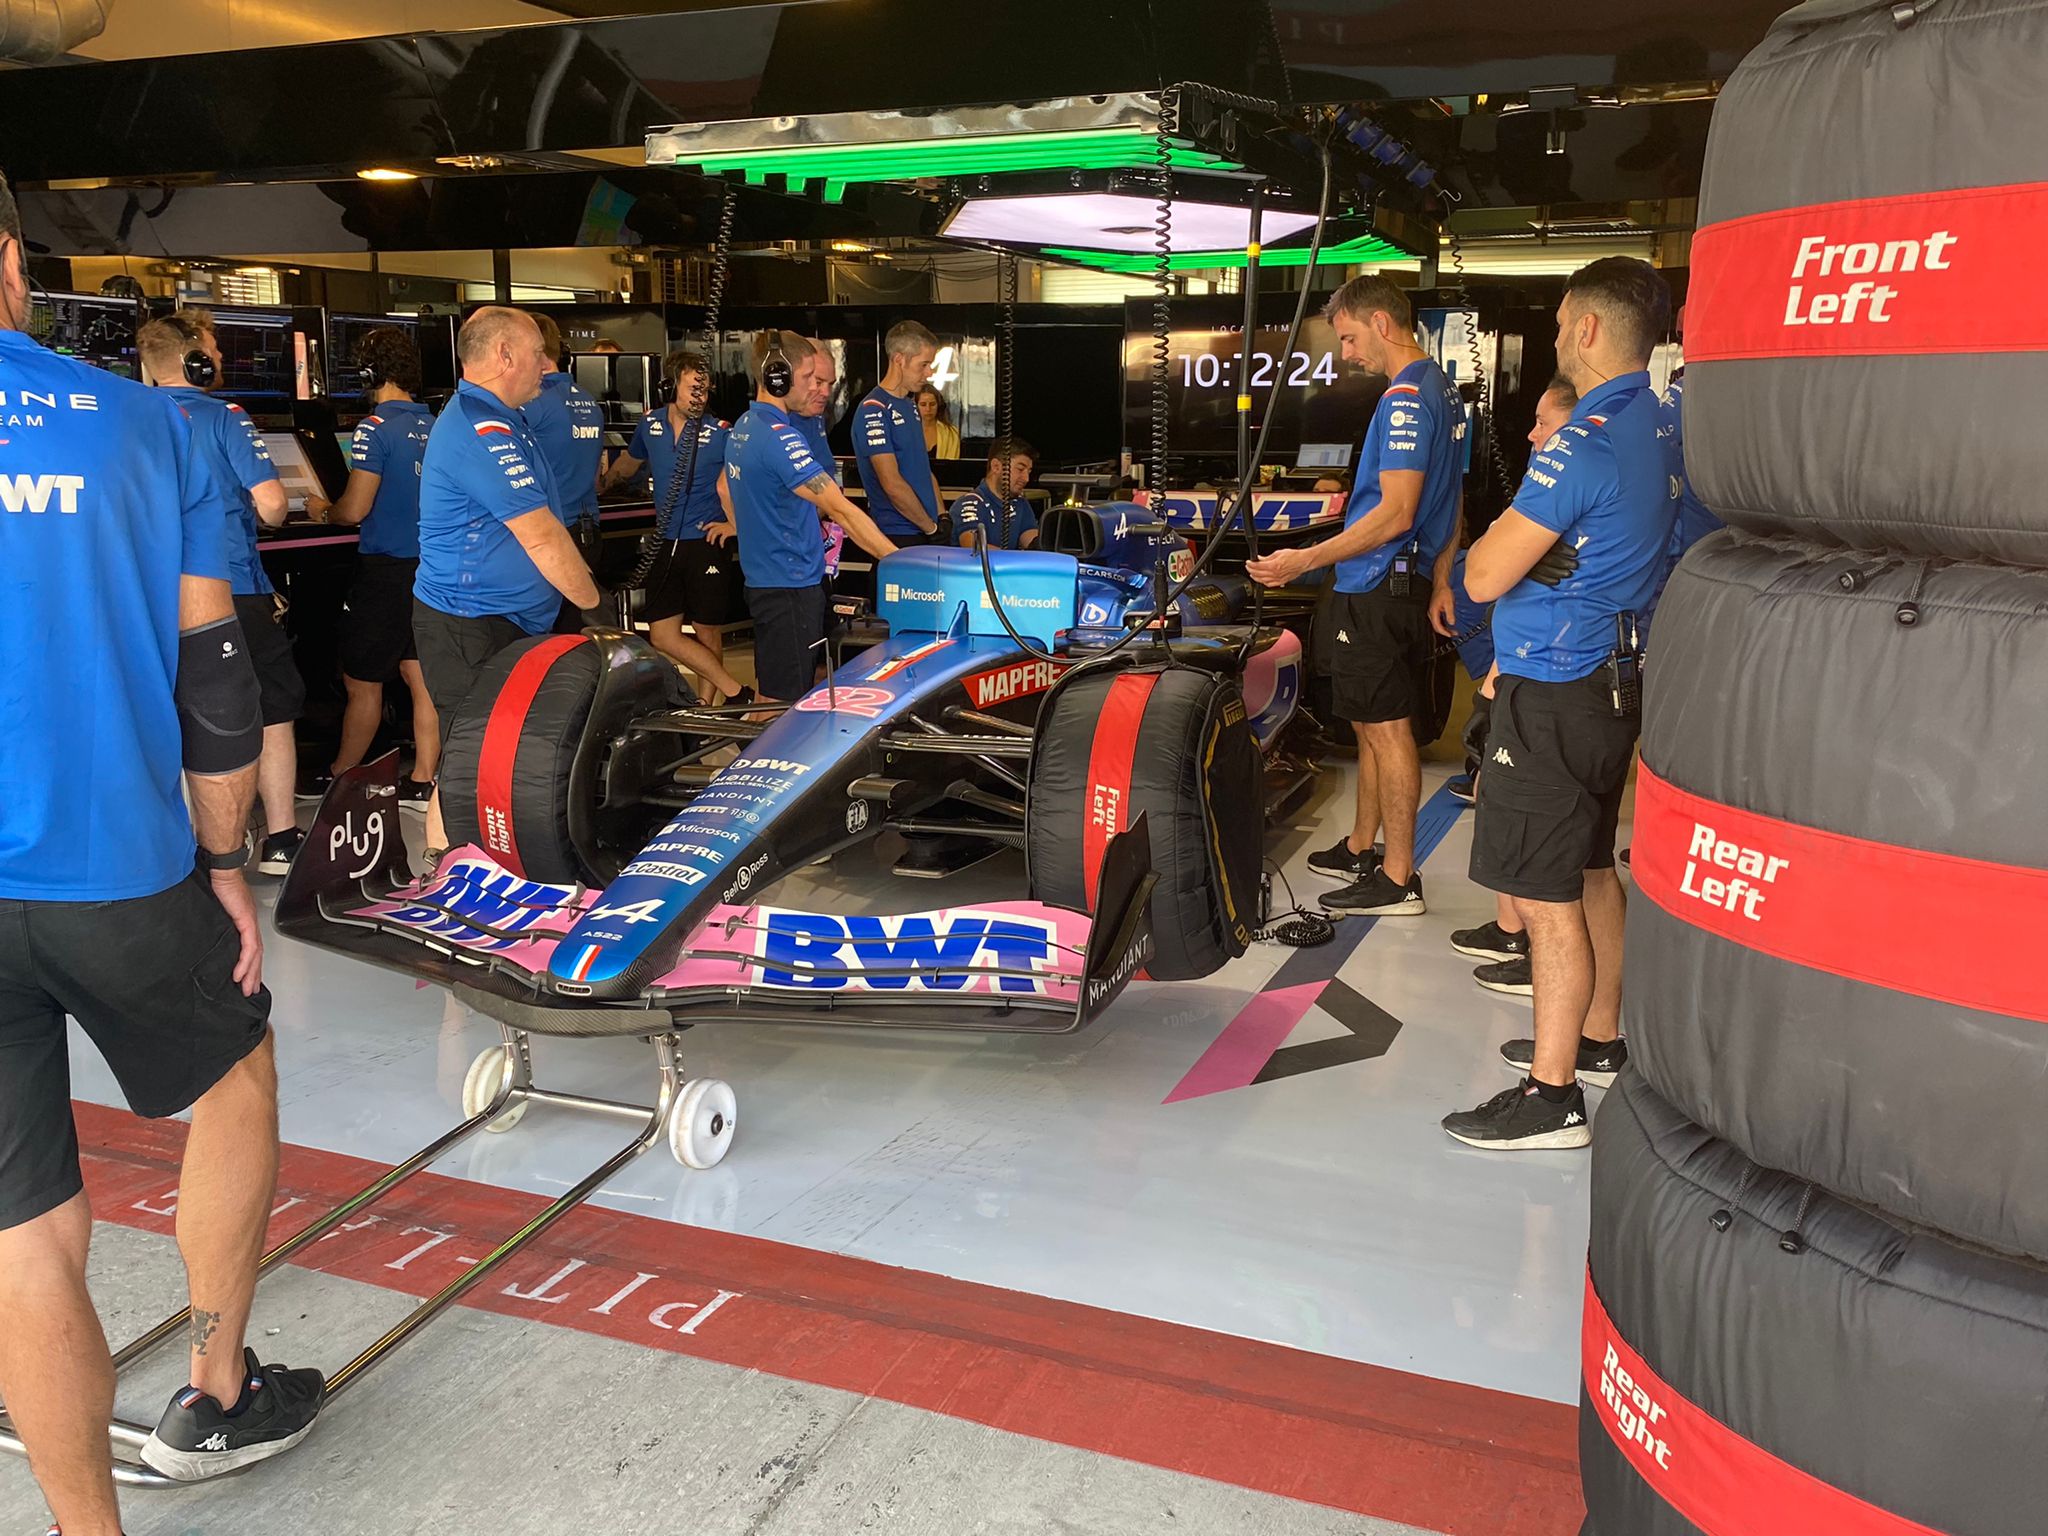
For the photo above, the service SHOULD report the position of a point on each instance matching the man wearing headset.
(495, 558)
(569, 427)
(779, 493)
(180, 356)
(110, 915)
(696, 578)
(382, 499)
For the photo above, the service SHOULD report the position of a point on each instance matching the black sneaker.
(1490, 941)
(196, 1439)
(1514, 977)
(1464, 788)
(316, 786)
(1377, 896)
(279, 849)
(1520, 1119)
(413, 794)
(1600, 1062)
(1343, 863)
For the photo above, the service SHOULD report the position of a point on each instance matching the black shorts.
(1378, 653)
(376, 621)
(1556, 763)
(453, 651)
(698, 582)
(151, 981)
(282, 691)
(790, 624)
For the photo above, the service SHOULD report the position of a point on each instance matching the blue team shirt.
(1694, 521)
(233, 450)
(569, 427)
(813, 429)
(104, 503)
(391, 443)
(697, 506)
(1419, 424)
(886, 423)
(482, 469)
(766, 459)
(1003, 526)
(1604, 484)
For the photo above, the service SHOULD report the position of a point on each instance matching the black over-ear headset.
(200, 371)
(778, 378)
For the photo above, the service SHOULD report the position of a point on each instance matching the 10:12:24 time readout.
(1208, 371)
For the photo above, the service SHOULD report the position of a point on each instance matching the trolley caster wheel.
(700, 1126)
(486, 1076)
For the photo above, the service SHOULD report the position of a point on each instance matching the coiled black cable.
(664, 540)
(1158, 464)
(1496, 460)
(1006, 369)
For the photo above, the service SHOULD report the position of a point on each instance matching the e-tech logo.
(1754, 872)
(926, 952)
(31, 493)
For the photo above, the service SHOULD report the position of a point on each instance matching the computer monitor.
(294, 469)
(89, 327)
(259, 359)
(1323, 456)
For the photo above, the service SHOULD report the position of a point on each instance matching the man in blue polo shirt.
(995, 510)
(108, 913)
(695, 581)
(817, 382)
(888, 439)
(1402, 519)
(568, 424)
(1564, 727)
(495, 558)
(382, 498)
(779, 494)
(177, 352)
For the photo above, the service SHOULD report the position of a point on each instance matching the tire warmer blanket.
(1719, 1481)
(1110, 759)
(1956, 930)
(501, 748)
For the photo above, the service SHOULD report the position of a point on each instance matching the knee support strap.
(220, 712)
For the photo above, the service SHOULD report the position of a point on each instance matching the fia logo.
(856, 815)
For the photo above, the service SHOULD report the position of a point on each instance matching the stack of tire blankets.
(1817, 1302)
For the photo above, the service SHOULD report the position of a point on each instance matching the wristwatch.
(236, 858)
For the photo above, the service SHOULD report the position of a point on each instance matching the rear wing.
(473, 925)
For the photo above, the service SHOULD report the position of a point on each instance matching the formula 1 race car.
(609, 858)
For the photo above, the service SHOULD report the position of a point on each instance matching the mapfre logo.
(1017, 682)
(1749, 873)
(33, 494)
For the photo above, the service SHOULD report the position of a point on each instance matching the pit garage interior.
(1207, 1263)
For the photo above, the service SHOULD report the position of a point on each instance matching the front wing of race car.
(1014, 966)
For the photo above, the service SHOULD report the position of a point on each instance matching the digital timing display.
(1312, 394)
(95, 330)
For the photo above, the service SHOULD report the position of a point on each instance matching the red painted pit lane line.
(1379, 1442)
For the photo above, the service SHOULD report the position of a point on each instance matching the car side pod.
(355, 850)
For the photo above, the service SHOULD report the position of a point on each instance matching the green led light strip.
(913, 159)
(1365, 250)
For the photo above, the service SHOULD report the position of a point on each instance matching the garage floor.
(1211, 1267)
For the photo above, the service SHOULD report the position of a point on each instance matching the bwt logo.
(1636, 1413)
(1753, 871)
(936, 952)
(32, 493)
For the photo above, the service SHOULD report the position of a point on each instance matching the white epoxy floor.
(1324, 1210)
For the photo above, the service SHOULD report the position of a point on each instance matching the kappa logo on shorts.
(1500, 755)
(1343, 637)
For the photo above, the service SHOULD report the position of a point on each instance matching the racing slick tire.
(1761, 1359)
(1172, 744)
(519, 768)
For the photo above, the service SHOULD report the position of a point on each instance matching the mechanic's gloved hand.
(1476, 727)
(604, 613)
(1558, 562)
